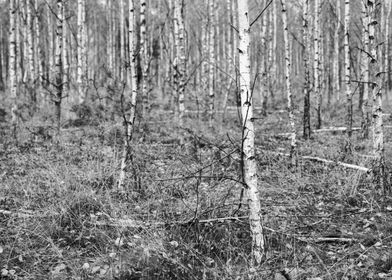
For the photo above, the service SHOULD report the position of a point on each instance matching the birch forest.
(195, 139)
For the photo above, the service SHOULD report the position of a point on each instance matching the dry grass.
(61, 216)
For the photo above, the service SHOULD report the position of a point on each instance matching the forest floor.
(62, 217)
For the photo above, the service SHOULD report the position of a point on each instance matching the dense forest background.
(208, 139)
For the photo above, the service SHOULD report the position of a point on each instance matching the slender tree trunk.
(143, 51)
(336, 69)
(387, 47)
(80, 46)
(347, 73)
(263, 65)
(30, 41)
(317, 89)
(13, 86)
(306, 40)
(122, 42)
(50, 52)
(248, 135)
(59, 66)
(37, 46)
(230, 55)
(179, 64)
(109, 45)
(65, 53)
(212, 62)
(290, 108)
(365, 54)
(129, 125)
(375, 86)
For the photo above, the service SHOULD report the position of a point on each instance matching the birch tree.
(248, 134)
(59, 65)
(130, 119)
(179, 62)
(306, 40)
(375, 86)
(317, 89)
(81, 75)
(211, 61)
(290, 108)
(347, 69)
(365, 59)
(12, 63)
(387, 82)
(336, 68)
(37, 45)
(122, 42)
(144, 57)
(29, 25)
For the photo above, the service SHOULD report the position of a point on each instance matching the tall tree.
(317, 89)
(306, 56)
(375, 86)
(130, 119)
(144, 56)
(290, 109)
(347, 72)
(59, 65)
(365, 59)
(179, 62)
(13, 86)
(336, 68)
(211, 60)
(81, 74)
(248, 134)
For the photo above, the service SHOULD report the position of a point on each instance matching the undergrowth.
(182, 216)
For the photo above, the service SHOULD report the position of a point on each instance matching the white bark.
(378, 135)
(336, 52)
(347, 68)
(51, 44)
(134, 86)
(290, 108)
(37, 46)
(365, 59)
(30, 40)
(12, 62)
(212, 61)
(248, 134)
(306, 40)
(81, 78)
(59, 64)
(317, 89)
(143, 51)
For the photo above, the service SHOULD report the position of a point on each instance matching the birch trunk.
(13, 64)
(179, 65)
(50, 45)
(263, 65)
(80, 48)
(306, 40)
(248, 135)
(290, 108)
(387, 47)
(212, 62)
(122, 42)
(59, 66)
(30, 40)
(336, 64)
(144, 57)
(129, 125)
(365, 57)
(317, 90)
(347, 71)
(375, 86)
(37, 46)
(65, 53)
